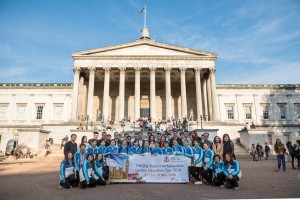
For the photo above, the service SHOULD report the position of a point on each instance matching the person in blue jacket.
(80, 157)
(67, 172)
(86, 173)
(135, 149)
(232, 172)
(208, 159)
(188, 152)
(177, 149)
(123, 149)
(111, 149)
(93, 149)
(99, 173)
(146, 150)
(217, 172)
(166, 150)
(197, 161)
(156, 151)
(102, 147)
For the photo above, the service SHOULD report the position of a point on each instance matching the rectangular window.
(21, 111)
(282, 110)
(297, 106)
(248, 111)
(39, 111)
(230, 111)
(58, 111)
(3, 109)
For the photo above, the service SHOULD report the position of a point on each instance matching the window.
(265, 110)
(3, 109)
(282, 110)
(230, 111)
(58, 111)
(21, 111)
(39, 111)
(248, 111)
(297, 106)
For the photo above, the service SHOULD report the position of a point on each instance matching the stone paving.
(38, 179)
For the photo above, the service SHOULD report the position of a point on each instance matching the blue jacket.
(123, 149)
(101, 149)
(217, 168)
(93, 151)
(111, 150)
(66, 169)
(98, 168)
(198, 150)
(178, 149)
(134, 150)
(87, 170)
(208, 158)
(168, 151)
(146, 150)
(157, 151)
(77, 157)
(233, 169)
(188, 152)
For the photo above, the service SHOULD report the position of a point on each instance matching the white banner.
(158, 169)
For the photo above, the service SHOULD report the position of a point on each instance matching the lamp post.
(91, 125)
(133, 126)
(200, 121)
(87, 122)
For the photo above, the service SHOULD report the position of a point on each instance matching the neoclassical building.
(149, 79)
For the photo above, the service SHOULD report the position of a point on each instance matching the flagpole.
(145, 17)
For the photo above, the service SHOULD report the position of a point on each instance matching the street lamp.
(133, 126)
(87, 122)
(91, 125)
(200, 121)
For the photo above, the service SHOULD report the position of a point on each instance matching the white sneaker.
(198, 183)
(221, 186)
(237, 188)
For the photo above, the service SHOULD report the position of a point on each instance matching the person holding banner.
(146, 150)
(110, 150)
(208, 158)
(135, 149)
(86, 173)
(156, 151)
(102, 147)
(177, 149)
(166, 150)
(123, 149)
(67, 172)
(93, 149)
(188, 152)
(99, 173)
(197, 162)
(232, 171)
(218, 175)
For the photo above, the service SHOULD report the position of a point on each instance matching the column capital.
(167, 68)
(76, 69)
(182, 68)
(212, 70)
(107, 68)
(137, 68)
(197, 69)
(92, 69)
(152, 68)
(122, 68)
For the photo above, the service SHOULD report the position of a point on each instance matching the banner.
(150, 169)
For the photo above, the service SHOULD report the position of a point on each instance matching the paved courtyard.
(38, 179)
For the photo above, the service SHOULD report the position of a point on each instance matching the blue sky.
(258, 42)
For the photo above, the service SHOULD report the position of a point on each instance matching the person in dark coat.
(71, 146)
(291, 150)
(175, 137)
(228, 146)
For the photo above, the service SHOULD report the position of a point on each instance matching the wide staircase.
(241, 152)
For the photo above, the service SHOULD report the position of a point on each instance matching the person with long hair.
(151, 138)
(86, 173)
(253, 152)
(162, 141)
(135, 149)
(84, 140)
(67, 172)
(146, 150)
(228, 146)
(99, 173)
(217, 146)
(156, 150)
(102, 147)
(280, 151)
(129, 143)
(231, 170)
(197, 163)
(123, 149)
(218, 175)
(166, 150)
(208, 159)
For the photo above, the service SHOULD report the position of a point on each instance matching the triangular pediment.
(143, 47)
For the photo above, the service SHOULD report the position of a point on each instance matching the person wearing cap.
(166, 150)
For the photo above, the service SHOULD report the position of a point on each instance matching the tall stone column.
(91, 92)
(183, 92)
(106, 92)
(152, 93)
(205, 99)
(122, 93)
(198, 92)
(137, 92)
(215, 105)
(168, 90)
(209, 99)
(75, 93)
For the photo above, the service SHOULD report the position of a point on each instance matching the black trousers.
(92, 183)
(70, 181)
(219, 179)
(207, 175)
(232, 183)
(196, 172)
(101, 182)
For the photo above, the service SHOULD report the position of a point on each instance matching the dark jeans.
(219, 179)
(281, 159)
(196, 172)
(70, 181)
(293, 158)
(92, 183)
(232, 183)
(206, 174)
(267, 155)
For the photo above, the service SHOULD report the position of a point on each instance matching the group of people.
(210, 161)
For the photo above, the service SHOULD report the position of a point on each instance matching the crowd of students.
(210, 161)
